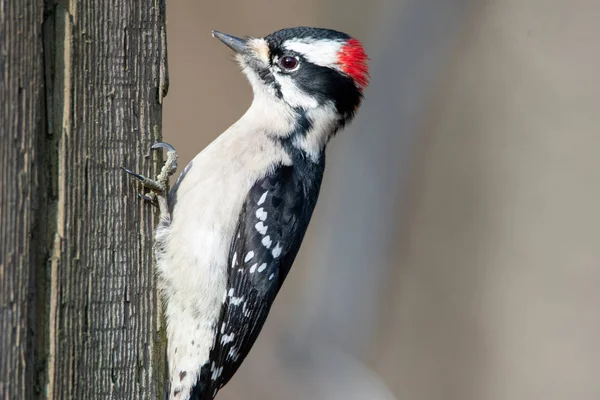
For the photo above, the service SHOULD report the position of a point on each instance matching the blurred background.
(455, 249)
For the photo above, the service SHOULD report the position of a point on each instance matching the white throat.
(275, 117)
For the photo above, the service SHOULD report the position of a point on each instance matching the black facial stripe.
(267, 77)
(326, 84)
(303, 124)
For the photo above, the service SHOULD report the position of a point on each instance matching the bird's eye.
(288, 62)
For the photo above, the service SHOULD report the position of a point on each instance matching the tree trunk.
(81, 89)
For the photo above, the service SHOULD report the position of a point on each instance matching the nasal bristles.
(353, 61)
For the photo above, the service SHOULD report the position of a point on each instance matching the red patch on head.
(353, 60)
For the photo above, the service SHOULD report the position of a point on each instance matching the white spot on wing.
(253, 268)
(272, 276)
(276, 250)
(216, 373)
(267, 241)
(236, 301)
(261, 214)
(261, 228)
(234, 260)
(249, 256)
(227, 338)
(233, 354)
(262, 267)
(262, 198)
(230, 292)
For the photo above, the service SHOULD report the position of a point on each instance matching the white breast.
(193, 262)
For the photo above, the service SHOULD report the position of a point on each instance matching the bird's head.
(305, 67)
(315, 76)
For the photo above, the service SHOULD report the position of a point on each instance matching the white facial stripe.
(293, 95)
(320, 52)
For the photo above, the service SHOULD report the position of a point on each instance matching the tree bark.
(21, 116)
(81, 92)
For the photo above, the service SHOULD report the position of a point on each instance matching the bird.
(232, 224)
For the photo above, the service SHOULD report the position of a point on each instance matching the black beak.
(236, 44)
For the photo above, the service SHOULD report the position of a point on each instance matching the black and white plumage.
(238, 213)
(271, 226)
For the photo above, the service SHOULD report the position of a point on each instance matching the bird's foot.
(159, 187)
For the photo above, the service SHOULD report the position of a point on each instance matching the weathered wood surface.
(79, 307)
(21, 127)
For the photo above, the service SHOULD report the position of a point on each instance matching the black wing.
(270, 230)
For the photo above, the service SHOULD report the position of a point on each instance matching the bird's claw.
(165, 145)
(149, 197)
(155, 186)
(171, 164)
(158, 187)
(130, 172)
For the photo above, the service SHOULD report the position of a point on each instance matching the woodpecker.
(233, 222)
